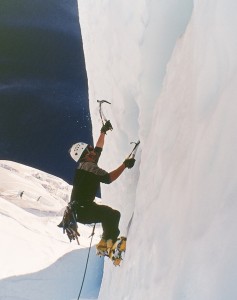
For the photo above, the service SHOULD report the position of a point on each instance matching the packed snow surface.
(37, 260)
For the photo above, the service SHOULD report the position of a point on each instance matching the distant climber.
(87, 179)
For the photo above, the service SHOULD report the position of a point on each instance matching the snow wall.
(169, 70)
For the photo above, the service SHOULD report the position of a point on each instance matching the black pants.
(108, 217)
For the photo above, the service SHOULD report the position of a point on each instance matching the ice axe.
(102, 116)
(134, 150)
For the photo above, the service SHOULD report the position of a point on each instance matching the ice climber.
(87, 179)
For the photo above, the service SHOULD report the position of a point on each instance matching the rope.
(92, 234)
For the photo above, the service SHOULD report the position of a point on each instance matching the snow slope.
(170, 70)
(37, 261)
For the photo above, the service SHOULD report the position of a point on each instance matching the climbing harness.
(92, 234)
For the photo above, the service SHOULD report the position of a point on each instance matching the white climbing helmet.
(77, 150)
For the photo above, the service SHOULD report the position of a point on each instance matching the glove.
(107, 126)
(129, 162)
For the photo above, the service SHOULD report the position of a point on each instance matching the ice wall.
(169, 70)
(126, 66)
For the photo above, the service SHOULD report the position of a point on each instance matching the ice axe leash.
(134, 150)
(102, 116)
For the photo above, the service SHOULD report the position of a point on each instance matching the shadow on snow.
(60, 281)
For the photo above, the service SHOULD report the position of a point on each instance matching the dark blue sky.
(43, 84)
